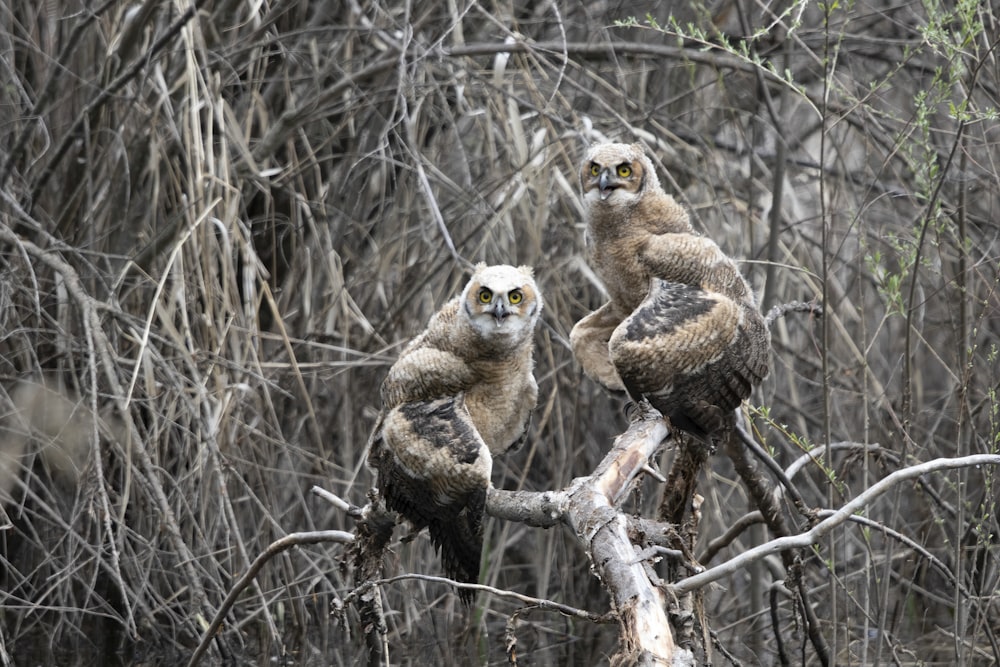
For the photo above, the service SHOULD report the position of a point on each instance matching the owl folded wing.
(425, 373)
(694, 354)
(694, 260)
(434, 469)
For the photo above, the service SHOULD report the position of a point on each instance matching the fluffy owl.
(461, 392)
(682, 327)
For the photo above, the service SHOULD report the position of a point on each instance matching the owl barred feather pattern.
(461, 392)
(681, 328)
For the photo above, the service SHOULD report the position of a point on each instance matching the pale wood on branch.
(590, 506)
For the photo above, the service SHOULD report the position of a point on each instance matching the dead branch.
(372, 535)
(602, 529)
(275, 548)
(543, 509)
(838, 517)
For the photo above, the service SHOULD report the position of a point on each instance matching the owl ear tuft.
(527, 270)
(638, 147)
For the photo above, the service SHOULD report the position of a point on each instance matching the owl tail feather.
(460, 543)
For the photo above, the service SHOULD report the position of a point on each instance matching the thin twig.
(273, 549)
(837, 518)
(540, 603)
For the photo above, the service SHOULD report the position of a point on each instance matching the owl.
(460, 393)
(682, 327)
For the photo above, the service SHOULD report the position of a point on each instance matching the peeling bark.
(372, 535)
(591, 507)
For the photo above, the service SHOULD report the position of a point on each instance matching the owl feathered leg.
(589, 340)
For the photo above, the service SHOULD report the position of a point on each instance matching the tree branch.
(590, 507)
(834, 520)
(273, 549)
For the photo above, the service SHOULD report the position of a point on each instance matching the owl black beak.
(605, 184)
(500, 312)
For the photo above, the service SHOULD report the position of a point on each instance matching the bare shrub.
(220, 221)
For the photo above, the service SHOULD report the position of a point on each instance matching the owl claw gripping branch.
(682, 328)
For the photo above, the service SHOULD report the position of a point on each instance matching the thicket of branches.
(220, 221)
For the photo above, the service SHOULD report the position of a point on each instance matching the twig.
(349, 509)
(782, 309)
(273, 549)
(834, 520)
(539, 603)
(776, 588)
(735, 530)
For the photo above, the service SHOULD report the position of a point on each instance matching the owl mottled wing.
(695, 355)
(434, 469)
(693, 260)
(424, 373)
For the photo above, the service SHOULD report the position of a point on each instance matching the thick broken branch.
(539, 509)
(590, 507)
(603, 530)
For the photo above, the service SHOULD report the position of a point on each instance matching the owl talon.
(641, 410)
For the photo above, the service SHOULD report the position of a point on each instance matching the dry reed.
(221, 220)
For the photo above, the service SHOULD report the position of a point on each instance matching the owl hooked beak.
(500, 312)
(605, 184)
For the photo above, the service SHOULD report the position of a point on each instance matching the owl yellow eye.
(595, 169)
(515, 296)
(485, 295)
(624, 170)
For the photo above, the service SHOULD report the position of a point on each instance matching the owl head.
(502, 302)
(616, 173)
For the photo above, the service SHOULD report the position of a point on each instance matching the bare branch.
(540, 509)
(838, 517)
(539, 603)
(275, 548)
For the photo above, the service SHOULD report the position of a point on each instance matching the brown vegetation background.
(221, 220)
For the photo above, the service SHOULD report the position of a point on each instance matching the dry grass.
(219, 226)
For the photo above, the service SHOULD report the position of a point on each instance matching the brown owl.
(460, 392)
(682, 328)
